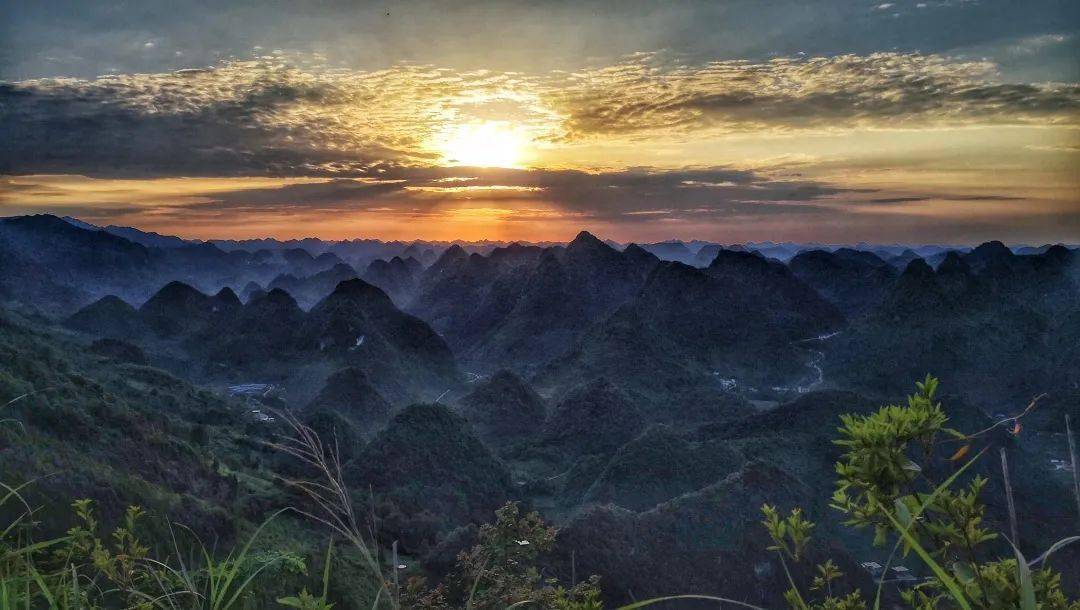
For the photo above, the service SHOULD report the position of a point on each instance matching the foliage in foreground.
(901, 476)
(887, 481)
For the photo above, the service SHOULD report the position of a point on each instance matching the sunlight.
(487, 144)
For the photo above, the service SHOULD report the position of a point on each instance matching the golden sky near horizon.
(883, 145)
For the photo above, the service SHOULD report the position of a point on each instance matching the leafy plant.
(884, 482)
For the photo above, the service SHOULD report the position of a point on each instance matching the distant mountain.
(149, 239)
(687, 329)
(705, 256)
(49, 262)
(108, 317)
(397, 277)
(311, 289)
(522, 305)
(852, 280)
(80, 224)
(671, 251)
(250, 290)
(355, 325)
(59, 266)
(179, 310)
(902, 260)
(565, 292)
(1004, 327)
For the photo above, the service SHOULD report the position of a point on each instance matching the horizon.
(846, 121)
(77, 222)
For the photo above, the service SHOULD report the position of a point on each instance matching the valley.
(647, 399)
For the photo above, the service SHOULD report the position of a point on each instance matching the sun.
(487, 144)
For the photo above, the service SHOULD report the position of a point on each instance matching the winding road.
(814, 363)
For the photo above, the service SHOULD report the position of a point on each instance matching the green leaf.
(954, 589)
(902, 512)
(963, 571)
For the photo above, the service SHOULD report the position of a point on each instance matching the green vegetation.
(81, 423)
(886, 482)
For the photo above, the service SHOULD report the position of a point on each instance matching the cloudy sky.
(840, 121)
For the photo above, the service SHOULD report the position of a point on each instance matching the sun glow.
(487, 144)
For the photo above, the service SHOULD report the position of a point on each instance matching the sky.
(936, 121)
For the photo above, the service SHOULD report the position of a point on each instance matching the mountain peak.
(355, 287)
(992, 247)
(504, 408)
(918, 268)
(588, 244)
(636, 253)
(454, 251)
(583, 238)
(276, 296)
(451, 256)
(226, 296)
(175, 292)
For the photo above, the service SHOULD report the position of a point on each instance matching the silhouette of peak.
(586, 246)
(279, 295)
(227, 296)
(111, 302)
(918, 269)
(585, 238)
(41, 222)
(995, 248)
(355, 287)
(726, 258)
(454, 251)
(297, 255)
(451, 256)
(176, 291)
(1057, 252)
(953, 264)
(638, 254)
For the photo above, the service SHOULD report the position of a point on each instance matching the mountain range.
(646, 398)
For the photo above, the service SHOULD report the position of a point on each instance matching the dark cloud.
(632, 195)
(940, 197)
(272, 118)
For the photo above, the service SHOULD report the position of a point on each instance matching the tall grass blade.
(326, 568)
(954, 589)
(1075, 465)
(1024, 583)
(1014, 529)
(711, 598)
(236, 564)
(1053, 549)
(922, 508)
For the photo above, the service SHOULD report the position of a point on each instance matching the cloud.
(630, 195)
(624, 194)
(1054, 148)
(882, 90)
(939, 197)
(287, 115)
